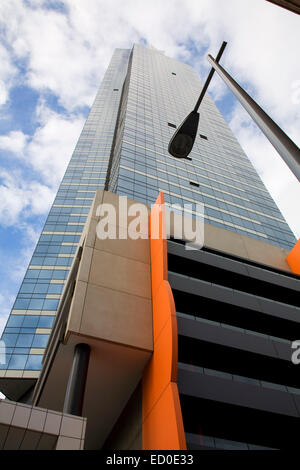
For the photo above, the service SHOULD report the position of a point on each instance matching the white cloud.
(14, 142)
(68, 53)
(52, 144)
(21, 198)
(46, 153)
(284, 189)
(7, 73)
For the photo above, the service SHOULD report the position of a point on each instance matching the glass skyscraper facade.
(144, 95)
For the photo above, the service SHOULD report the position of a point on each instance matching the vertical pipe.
(77, 380)
(286, 148)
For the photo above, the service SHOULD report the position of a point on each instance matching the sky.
(53, 55)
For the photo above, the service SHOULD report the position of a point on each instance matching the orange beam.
(293, 258)
(162, 418)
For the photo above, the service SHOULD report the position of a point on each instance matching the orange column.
(293, 258)
(162, 418)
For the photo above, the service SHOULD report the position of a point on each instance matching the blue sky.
(53, 55)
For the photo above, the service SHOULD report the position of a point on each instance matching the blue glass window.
(51, 304)
(41, 288)
(24, 340)
(36, 304)
(12, 330)
(46, 274)
(34, 362)
(17, 361)
(21, 304)
(27, 288)
(64, 261)
(32, 274)
(27, 330)
(31, 321)
(46, 321)
(40, 341)
(21, 350)
(60, 274)
(50, 260)
(55, 288)
(9, 339)
(15, 320)
(37, 260)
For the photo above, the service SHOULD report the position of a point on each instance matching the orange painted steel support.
(293, 258)
(162, 418)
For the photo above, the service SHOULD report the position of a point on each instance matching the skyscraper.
(35, 307)
(144, 95)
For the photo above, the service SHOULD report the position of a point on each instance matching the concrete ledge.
(26, 427)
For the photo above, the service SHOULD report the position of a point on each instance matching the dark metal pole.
(77, 380)
(182, 142)
(286, 148)
(210, 75)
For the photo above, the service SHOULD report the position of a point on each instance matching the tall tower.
(158, 93)
(33, 313)
(144, 95)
